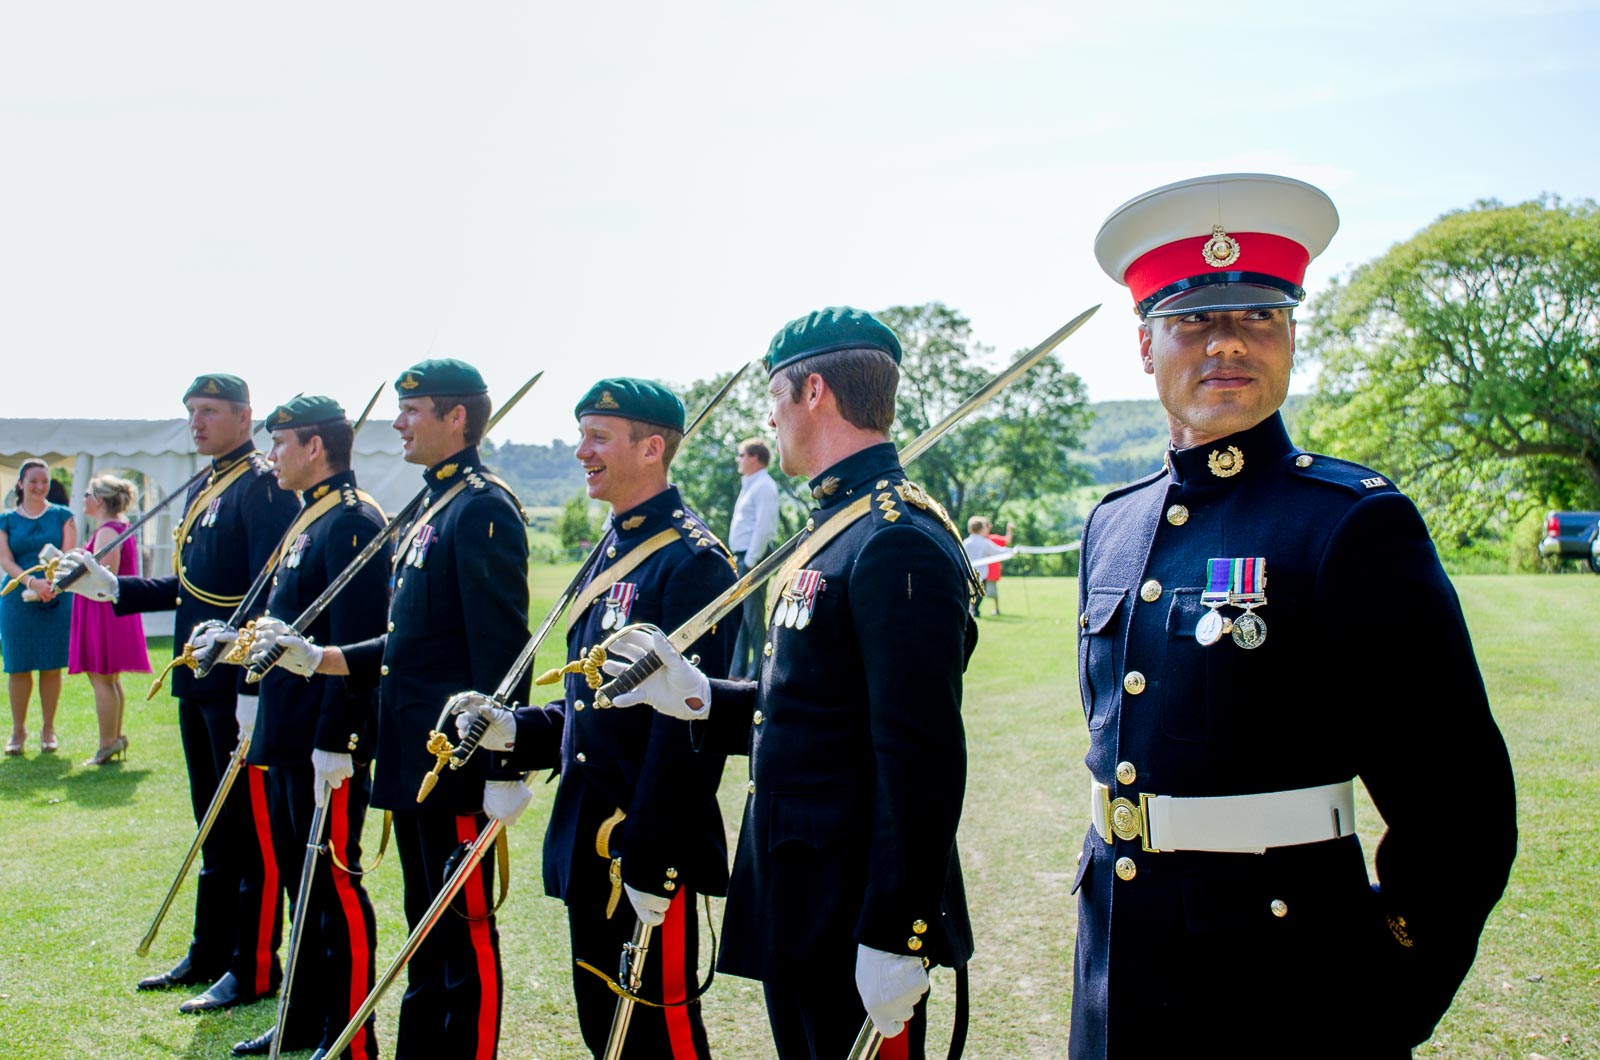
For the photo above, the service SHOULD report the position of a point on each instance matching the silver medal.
(608, 619)
(803, 619)
(1209, 629)
(791, 613)
(1249, 631)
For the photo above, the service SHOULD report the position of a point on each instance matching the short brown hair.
(639, 430)
(338, 439)
(862, 380)
(757, 448)
(477, 406)
(977, 524)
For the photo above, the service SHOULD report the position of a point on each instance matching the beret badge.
(409, 382)
(1221, 250)
(606, 401)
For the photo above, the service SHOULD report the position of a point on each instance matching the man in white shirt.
(755, 522)
(979, 547)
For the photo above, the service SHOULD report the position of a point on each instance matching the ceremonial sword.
(48, 567)
(258, 668)
(236, 763)
(438, 741)
(631, 975)
(439, 745)
(302, 905)
(735, 594)
(201, 662)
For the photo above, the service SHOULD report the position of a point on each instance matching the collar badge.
(1225, 464)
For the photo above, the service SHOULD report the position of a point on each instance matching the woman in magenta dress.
(105, 645)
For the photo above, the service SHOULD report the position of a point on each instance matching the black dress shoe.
(181, 975)
(224, 993)
(261, 1045)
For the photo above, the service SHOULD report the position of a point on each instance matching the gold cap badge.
(1221, 249)
(211, 387)
(606, 401)
(410, 382)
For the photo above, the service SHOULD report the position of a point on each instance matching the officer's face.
(788, 418)
(294, 464)
(617, 469)
(1218, 373)
(217, 426)
(425, 436)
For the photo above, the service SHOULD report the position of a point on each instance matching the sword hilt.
(627, 680)
(184, 658)
(59, 581)
(469, 742)
(47, 569)
(254, 672)
(439, 747)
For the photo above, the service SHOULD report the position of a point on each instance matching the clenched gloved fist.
(97, 583)
(677, 689)
(300, 656)
(332, 769)
(501, 735)
(890, 985)
(504, 800)
(213, 634)
(650, 908)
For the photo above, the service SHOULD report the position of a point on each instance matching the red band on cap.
(1258, 252)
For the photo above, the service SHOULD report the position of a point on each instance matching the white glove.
(245, 710)
(300, 656)
(650, 908)
(213, 632)
(331, 769)
(890, 985)
(677, 689)
(97, 583)
(504, 800)
(501, 735)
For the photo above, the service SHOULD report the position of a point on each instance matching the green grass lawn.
(87, 854)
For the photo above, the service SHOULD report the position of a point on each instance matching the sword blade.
(362, 419)
(231, 774)
(302, 901)
(441, 902)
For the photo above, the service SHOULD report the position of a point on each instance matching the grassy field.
(88, 853)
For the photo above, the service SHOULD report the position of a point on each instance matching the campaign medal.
(297, 550)
(1213, 625)
(807, 584)
(619, 603)
(210, 518)
(420, 545)
(1249, 585)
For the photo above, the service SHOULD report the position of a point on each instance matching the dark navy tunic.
(857, 751)
(326, 713)
(1367, 670)
(637, 760)
(457, 619)
(220, 557)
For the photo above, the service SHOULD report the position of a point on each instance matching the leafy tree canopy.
(1465, 363)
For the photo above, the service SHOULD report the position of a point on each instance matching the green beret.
(303, 412)
(633, 399)
(220, 386)
(440, 375)
(826, 330)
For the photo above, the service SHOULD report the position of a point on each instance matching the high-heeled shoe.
(106, 754)
(122, 743)
(49, 744)
(15, 744)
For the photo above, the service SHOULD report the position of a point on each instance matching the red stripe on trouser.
(896, 1048)
(269, 878)
(478, 931)
(355, 923)
(679, 1033)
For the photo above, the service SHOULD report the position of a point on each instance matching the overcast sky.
(315, 196)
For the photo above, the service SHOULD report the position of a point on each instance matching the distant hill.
(1125, 439)
(543, 475)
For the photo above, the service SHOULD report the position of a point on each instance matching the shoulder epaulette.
(912, 493)
(259, 463)
(479, 480)
(696, 534)
(1345, 474)
(350, 498)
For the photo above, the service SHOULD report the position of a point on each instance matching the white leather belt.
(1243, 824)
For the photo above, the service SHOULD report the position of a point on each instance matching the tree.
(575, 528)
(1015, 449)
(1464, 363)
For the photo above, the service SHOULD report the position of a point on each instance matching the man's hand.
(501, 735)
(300, 656)
(212, 634)
(889, 984)
(97, 583)
(504, 800)
(331, 769)
(677, 689)
(244, 709)
(650, 908)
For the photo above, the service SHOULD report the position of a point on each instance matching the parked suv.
(1572, 535)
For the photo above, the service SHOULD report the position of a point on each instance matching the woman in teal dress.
(35, 622)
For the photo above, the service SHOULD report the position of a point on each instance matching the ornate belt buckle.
(1126, 819)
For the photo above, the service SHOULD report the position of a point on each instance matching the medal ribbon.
(1240, 580)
